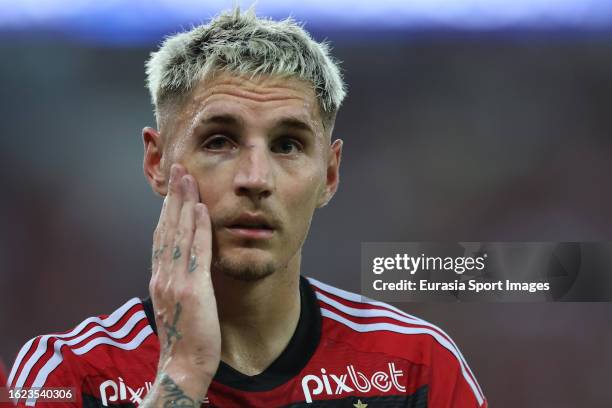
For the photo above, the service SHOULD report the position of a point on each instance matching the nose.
(254, 177)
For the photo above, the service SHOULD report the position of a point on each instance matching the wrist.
(194, 379)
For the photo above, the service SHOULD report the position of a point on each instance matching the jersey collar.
(291, 361)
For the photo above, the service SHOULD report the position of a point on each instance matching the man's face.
(262, 162)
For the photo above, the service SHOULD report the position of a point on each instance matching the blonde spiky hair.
(243, 43)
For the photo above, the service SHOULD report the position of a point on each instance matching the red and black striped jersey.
(345, 352)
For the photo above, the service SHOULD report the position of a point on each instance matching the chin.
(246, 267)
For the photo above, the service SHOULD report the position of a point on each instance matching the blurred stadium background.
(466, 120)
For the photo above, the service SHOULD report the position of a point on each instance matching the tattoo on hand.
(171, 330)
(174, 397)
(157, 253)
(177, 253)
(192, 263)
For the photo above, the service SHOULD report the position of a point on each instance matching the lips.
(252, 226)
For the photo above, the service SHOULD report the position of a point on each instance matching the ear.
(333, 173)
(153, 149)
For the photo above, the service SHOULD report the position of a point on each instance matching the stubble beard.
(241, 271)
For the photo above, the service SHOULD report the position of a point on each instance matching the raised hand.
(183, 297)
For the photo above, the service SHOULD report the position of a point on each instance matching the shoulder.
(376, 327)
(61, 358)
(360, 315)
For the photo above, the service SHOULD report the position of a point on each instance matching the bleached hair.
(244, 44)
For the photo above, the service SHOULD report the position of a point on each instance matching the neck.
(257, 319)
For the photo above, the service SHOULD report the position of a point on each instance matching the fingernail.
(187, 182)
(202, 210)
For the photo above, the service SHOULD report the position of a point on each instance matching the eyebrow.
(288, 122)
(223, 119)
(294, 123)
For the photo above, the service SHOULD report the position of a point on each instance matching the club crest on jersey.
(350, 381)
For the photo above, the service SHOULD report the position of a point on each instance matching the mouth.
(251, 226)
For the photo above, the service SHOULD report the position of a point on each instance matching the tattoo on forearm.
(192, 263)
(174, 397)
(171, 330)
(177, 253)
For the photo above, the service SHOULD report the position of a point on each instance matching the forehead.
(260, 99)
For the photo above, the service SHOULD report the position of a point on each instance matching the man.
(243, 156)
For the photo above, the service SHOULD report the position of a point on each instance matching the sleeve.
(42, 363)
(452, 382)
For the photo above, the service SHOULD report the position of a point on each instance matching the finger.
(201, 249)
(185, 228)
(155, 252)
(164, 233)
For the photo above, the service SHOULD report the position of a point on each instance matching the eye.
(219, 143)
(286, 145)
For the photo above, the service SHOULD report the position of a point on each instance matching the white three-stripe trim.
(57, 357)
(395, 314)
(42, 345)
(369, 327)
(399, 317)
(24, 350)
(353, 297)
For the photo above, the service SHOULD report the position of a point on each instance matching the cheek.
(301, 196)
(213, 180)
(211, 192)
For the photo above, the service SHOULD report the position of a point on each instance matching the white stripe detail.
(357, 298)
(42, 345)
(52, 364)
(402, 315)
(374, 312)
(24, 350)
(57, 357)
(135, 342)
(370, 327)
